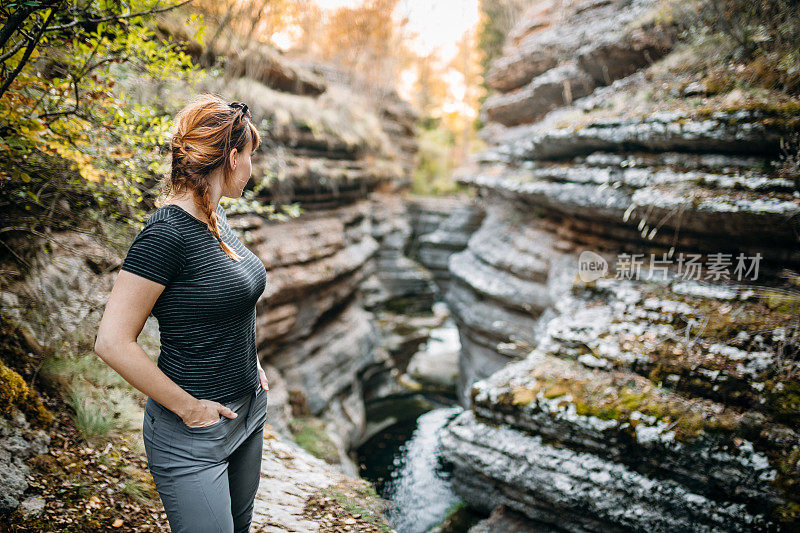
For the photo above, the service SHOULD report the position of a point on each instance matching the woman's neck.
(189, 204)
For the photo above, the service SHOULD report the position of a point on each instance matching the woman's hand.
(263, 376)
(206, 413)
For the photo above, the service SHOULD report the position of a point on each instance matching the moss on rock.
(15, 394)
(309, 432)
(618, 396)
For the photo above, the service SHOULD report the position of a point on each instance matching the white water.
(420, 489)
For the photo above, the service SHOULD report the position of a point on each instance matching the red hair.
(206, 131)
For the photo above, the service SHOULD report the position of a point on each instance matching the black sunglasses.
(243, 107)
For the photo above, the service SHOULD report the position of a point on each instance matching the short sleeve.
(156, 253)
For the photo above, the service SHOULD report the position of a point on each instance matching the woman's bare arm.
(129, 304)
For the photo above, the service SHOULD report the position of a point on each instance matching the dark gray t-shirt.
(207, 311)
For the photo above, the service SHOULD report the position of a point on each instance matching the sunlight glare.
(439, 24)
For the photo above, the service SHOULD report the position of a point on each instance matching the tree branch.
(13, 22)
(69, 111)
(118, 17)
(13, 50)
(28, 51)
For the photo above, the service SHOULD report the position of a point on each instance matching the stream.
(403, 461)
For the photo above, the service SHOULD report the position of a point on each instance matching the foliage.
(249, 203)
(15, 394)
(430, 89)
(90, 418)
(761, 39)
(367, 43)
(458, 517)
(136, 490)
(467, 63)
(70, 141)
(432, 175)
(102, 400)
(365, 46)
(498, 18)
(362, 41)
(236, 21)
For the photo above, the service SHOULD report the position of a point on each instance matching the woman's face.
(240, 173)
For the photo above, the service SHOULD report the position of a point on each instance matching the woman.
(207, 401)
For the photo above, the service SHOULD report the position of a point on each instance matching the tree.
(430, 88)
(498, 18)
(237, 22)
(66, 134)
(468, 63)
(365, 41)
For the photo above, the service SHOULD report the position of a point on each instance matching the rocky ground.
(62, 482)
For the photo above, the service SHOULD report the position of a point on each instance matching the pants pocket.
(210, 443)
(258, 413)
(263, 402)
(158, 438)
(203, 429)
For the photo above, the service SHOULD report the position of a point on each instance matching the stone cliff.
(651, 398)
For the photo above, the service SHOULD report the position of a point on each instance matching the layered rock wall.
(440, 229)
(656, 397)
(544, 67)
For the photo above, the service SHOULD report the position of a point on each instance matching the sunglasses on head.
(243, 107)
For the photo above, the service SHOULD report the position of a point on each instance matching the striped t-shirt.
(207, 311)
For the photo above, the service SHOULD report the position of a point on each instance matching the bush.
(765, 34)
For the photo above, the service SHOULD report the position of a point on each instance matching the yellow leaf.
(118, 522)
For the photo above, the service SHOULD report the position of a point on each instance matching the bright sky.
(436, 25)
(439, 23)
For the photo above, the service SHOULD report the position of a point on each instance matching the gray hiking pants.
(207, 477)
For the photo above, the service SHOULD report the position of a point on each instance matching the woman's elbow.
(102, 346)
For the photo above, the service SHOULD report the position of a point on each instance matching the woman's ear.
(232, 158)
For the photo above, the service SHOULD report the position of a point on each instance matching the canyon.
(647, 398)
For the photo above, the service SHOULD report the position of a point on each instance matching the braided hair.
(206, 131)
